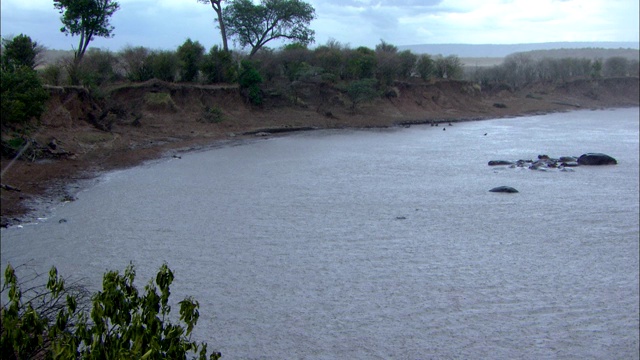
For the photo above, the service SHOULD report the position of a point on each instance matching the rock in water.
(504, 189)
(500, 162)
(596, 159)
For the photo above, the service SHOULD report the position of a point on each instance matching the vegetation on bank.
(58, 321)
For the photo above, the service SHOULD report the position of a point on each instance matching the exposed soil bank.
(133, 123)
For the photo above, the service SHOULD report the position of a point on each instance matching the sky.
(165, 24)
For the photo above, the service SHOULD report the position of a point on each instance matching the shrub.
(159, 101)
(218, 66)
(425, 67)
(136, 63)
(124, 322)
(212, 115)
(449, 67)
(360, 63)
(97, 68)
(22, 96)
(360, 91)
(616, 66)
(20, 51)
(52, 74)
(249, 81)
(164, 65)
(190, 55)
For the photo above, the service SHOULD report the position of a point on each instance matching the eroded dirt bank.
(82, 135)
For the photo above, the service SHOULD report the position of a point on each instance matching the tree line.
(522, 69)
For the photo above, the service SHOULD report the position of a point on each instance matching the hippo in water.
(596, 159)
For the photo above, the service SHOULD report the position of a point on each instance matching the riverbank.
(134, 123)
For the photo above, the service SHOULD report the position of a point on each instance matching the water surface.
(379, 243)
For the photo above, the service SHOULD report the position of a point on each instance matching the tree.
(217, 7)
(87, 18)
(425, 67)
(249, 80)
(136, 62)
(616, 66)
(360, 91)
(190, 55)
(218, 66)
(449, 67)
(20, 51)
(124, 322)
(22, 96)
(255, 25)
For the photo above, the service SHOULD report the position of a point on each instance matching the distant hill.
(502, 50)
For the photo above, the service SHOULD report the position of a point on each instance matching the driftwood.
(10, 188)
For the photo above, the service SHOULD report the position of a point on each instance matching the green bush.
(136, 62)
(22, 96)
(20, 51)
(218, 66)
(52, 74)
(190, 55)
(249, 81)
(213, 115)
(360, 91)
(123, 322)
(164, 65)
(97, 68)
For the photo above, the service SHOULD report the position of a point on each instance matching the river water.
(378, 243)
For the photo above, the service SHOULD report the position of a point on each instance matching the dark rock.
(500, 162)
(504, 189)
(499, 105)
(596, 159)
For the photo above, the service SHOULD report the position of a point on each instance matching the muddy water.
(379, 244)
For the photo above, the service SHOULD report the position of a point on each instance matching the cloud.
(165, 24)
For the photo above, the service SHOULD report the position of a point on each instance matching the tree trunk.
(216, 5)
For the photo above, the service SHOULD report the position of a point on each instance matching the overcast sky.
(165, 24)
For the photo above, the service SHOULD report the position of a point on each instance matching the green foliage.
(22, 96)
(255, 25)
(122, 323)
(164, 65)
(97, 68)
(361, 63)
(213, 115)
(137, 64)
(616, 66)
(294, 59)
(218, 66)
(425, 67)
(159, 101)
(20, 51)
(249, 80)
(190, 56)
(360, 91)
(52, 74)
(449, 67)
(407, 65)
(87, 18)
(330, 58)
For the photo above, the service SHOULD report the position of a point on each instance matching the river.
(376, 244)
